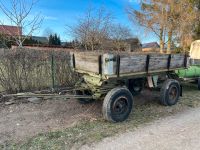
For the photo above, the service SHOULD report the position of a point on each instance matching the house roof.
(132, 40)
(150, 45)
(10, 30)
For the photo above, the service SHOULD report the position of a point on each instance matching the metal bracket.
(118, 66)
(169, 62)
(150, 81)
(147, 63)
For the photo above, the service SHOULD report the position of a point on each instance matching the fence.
(25, 70)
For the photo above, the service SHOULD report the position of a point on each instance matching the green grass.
(87, 132)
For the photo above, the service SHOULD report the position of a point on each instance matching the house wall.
(152, 49)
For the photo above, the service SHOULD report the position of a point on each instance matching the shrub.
(25, 70)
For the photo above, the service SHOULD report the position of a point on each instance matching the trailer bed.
(110, 65)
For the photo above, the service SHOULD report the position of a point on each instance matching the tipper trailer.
(116, 78)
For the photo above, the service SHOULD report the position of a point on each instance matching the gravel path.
(179, 132)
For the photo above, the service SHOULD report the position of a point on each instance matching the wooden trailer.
(117, 77)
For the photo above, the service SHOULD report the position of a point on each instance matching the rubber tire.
(110, 99)
(83, 101)
(199, 83)
(164, 99)
(136, 82)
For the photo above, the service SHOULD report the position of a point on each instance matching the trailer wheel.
(170, 92)
(136, 86)
(199, 83)
(81, 100)
(117, 104)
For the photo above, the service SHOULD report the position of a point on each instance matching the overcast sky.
(58, 13)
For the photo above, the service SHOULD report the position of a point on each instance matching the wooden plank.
(177, 61)
(87, 62)
(87, 66)
(132, 64)
(86, 57)
(158, 62)
(195, 62)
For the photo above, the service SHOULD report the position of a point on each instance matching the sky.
(59, 13)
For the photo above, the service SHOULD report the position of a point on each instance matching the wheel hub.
(173, 93)
(120, 105)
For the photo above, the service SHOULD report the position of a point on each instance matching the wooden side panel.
(158, 62)
(132, 63)
(194, 62)
(177, 61)
(129, 63)
(87, 62)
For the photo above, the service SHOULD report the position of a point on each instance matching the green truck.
(193, 72)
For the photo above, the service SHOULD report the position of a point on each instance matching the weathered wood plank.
(87, 57)
(135, 63)
(87, 62)
(177, 61)
(158, 62)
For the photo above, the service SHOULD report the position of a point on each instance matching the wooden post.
(53, 70)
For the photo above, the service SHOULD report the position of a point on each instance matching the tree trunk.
(169, 41)
(92, 46)
(161, 41)
(86, 46)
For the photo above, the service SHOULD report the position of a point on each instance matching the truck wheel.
(136, 86)
(199, 83)
(81, 100)
(117, 104)
(170, 92)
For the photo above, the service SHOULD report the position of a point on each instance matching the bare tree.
(171, 19)
(93, 28)
(118, 36)
(18, 12)
(184, 17)
(196, 35)
(152, 16)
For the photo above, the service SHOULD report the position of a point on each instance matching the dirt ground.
(23, 119)
(179, 132)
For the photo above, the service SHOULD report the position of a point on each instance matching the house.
(16, 31)
(133, 45)
(7, 33)
(129, 45)
(10, 30)
(150, 47)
